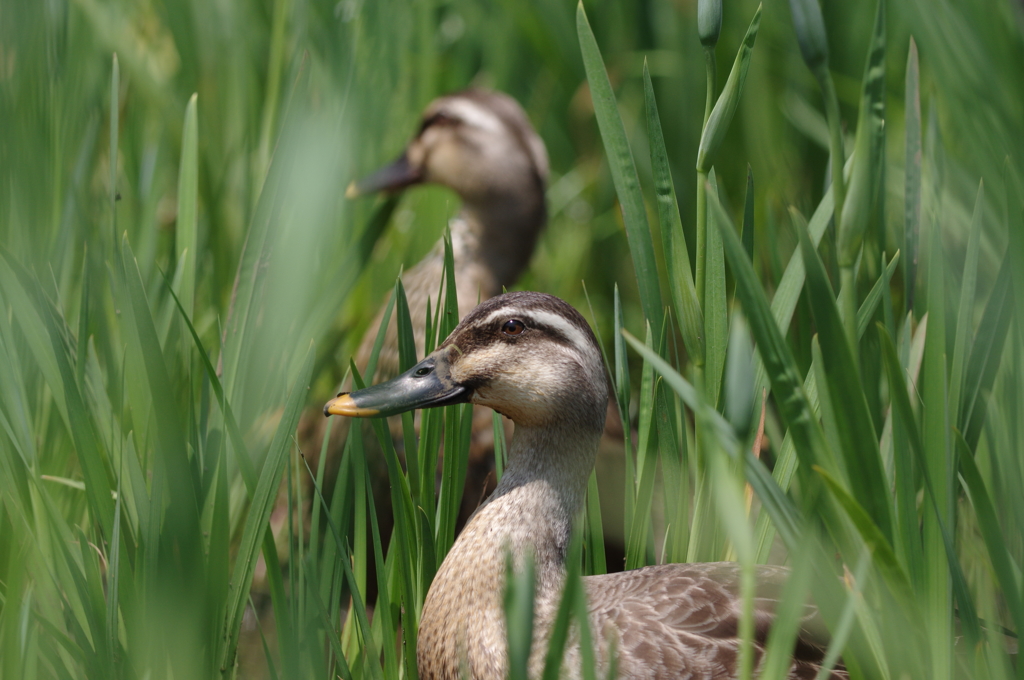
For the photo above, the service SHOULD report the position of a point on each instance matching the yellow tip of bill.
(344, 405)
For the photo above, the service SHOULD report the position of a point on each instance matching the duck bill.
(397, 175)
(425, 385)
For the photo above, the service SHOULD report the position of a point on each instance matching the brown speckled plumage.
(671, 621)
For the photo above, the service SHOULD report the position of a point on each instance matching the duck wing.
(682, 621)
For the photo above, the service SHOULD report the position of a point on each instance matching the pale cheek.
(532, 400)
(445, 166)
(416, 154)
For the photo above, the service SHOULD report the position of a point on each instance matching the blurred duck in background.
(480, 144)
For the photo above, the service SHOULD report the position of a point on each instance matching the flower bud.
(810, 32)
(709, 21)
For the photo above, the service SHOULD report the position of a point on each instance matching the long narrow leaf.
(677, 258)
(623, 169)
(185, 231)
(912, 173)
(716, 312)
(965, 315)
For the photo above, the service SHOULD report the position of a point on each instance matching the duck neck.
(543, 487)
(529, 515)
(505, 227)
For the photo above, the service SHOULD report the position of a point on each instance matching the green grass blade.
(748, 215)
(382, 611)
(457, 420)
(675, 468)
(450, 319)
(965, 315)
(520, 586)
(82, 350)
(406, 359)
(115, 127)
(874, 296)
(732, 511)
(594, 553)
(716, 312)
(185, 232)
(500, 448)
(857, 208)
(739, 376)
(623, 170)
(845, 626)
(937, 463)
(829, 421)
(782, 636)
(560, 630)
(904, 429)
(332, 638)
(677, 258)
(638, 515)
(912, 173)
(620, 375)
(113, 583)
(987, 351)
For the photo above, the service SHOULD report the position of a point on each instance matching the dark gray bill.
(425, 385)
(396, 175)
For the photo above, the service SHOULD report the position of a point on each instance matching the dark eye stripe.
(439, 118)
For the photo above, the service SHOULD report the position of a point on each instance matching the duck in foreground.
(534, 358)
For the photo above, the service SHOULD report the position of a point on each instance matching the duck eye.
(420, 372)
(513, 327)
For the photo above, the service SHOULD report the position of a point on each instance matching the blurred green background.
(295, 98)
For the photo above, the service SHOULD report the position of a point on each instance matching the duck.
(533, 358)
(480, 144)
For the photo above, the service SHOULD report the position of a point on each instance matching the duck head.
(481, 145)
(530, 356)
(478, 142)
